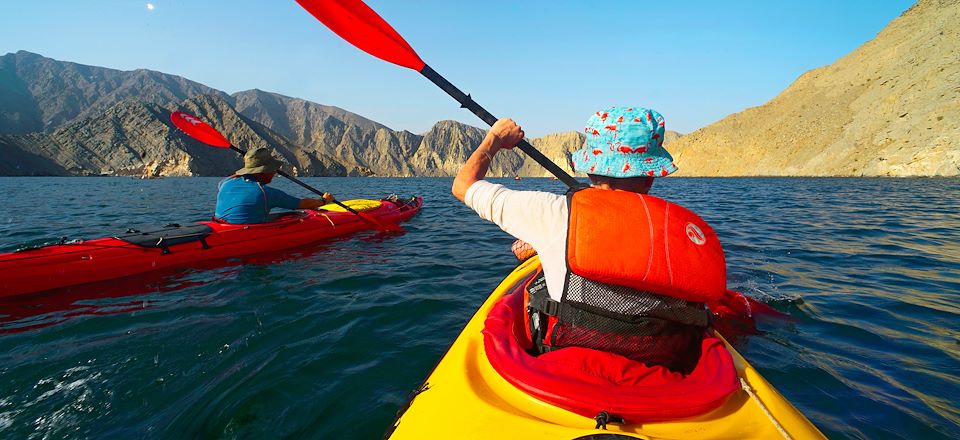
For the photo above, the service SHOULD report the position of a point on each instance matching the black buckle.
(603, 418)
(542, 302)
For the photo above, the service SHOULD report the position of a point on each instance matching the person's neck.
(639, 189)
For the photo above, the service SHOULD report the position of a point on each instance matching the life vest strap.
(541, 302)
(602, 319)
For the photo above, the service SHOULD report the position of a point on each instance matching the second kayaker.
(245, 198)
(621, 273)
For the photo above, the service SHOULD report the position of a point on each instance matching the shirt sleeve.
(536, 217)
(280, 199)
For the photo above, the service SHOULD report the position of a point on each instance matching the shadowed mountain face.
(889, 108)
(61, 118)
(39, 94)
(137, 138)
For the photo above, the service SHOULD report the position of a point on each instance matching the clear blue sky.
(547, 64)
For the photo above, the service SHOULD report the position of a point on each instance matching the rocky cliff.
(136, 138)
(364, 146)
(889, 108)
(39, 94)
(61, 118)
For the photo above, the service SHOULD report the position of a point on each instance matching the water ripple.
(327, 340)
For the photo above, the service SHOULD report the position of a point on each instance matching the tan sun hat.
(259, 160)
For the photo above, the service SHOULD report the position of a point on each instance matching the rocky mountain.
(444, 149)
(366, 147)
(137, 138)
(62, 118)
(289, 116)
(558, 148)
(889, 108)
(39, 94)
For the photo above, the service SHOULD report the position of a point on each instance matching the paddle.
(737, 304)
(360, 26)
(355, 22)
(203, 132)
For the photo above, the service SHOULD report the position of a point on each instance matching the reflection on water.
(329, 343)
(139, 292)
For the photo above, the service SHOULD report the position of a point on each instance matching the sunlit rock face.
(889, 108)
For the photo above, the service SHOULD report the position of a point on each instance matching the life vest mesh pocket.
(643, 326)
(625, 302)
(652, 341)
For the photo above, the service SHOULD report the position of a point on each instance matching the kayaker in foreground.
(245, 197)
(586, 240)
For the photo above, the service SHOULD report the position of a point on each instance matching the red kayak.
(79, 262)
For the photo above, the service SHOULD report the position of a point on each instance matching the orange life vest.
(644, 242)
(639, 269)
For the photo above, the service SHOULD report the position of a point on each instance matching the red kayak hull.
(70, 264)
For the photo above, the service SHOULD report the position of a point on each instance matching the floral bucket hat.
(624, 142)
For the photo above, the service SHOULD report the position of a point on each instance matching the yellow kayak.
(465, 397)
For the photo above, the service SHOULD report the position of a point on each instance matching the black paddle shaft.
(299, 182)
(468, 103)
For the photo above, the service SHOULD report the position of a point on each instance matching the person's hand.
(506, 134)
(327, 197)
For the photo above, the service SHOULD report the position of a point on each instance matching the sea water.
(327, 340)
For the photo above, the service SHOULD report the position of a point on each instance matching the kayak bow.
(465, 397)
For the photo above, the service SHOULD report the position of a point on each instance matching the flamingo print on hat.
(625, 142)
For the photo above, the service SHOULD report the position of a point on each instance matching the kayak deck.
(464, 397)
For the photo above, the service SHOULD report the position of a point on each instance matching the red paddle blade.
(382, 225)
(198, 130)
(355, 22)
(736, 315)
(736, 304)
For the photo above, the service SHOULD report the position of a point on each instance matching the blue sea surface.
(327, 340)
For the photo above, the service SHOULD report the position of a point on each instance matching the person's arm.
(315, 203)
(504, 134)
(537, 217)
(279, 199)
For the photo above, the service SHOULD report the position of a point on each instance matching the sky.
(546, 64)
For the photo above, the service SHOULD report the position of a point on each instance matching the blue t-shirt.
(243, 200)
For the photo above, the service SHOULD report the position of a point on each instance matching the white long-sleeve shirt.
(536, 217)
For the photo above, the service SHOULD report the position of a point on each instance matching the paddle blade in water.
(198, 130)
(355, 22)
(383, 226)
(736, 315)
(736, 304)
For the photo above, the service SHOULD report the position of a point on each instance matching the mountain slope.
(889, 108)
(39, 94)
(137, 138)
(364, 146)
